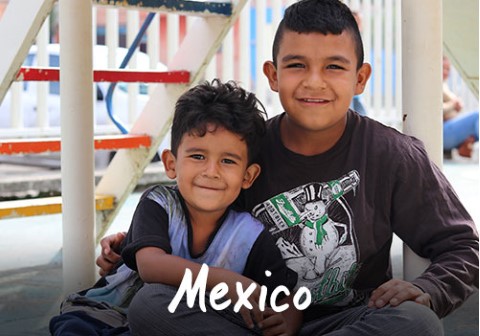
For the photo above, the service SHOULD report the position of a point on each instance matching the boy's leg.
(409, 318)
(79, 324)
(148, 315)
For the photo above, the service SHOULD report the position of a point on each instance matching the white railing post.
(261, 84)
(133, 25)
(367, 47)
(16, 110)
(377, 56)
(227, 57)
(244, 74)
(173, 35)
(43, 37)
(398, 60)
(277, 15)
(111, 36)
(422, 89)
(153, 42)
(77, 157)
(389, 24)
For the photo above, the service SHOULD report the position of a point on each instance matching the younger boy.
(335, 187)
(216, 132)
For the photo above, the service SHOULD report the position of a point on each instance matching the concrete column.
(422, 89)
(76, 105)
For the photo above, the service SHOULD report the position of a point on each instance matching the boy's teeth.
(314, 100)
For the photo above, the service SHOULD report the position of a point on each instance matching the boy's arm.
(265, 255)
(152, 263)
(432, 221)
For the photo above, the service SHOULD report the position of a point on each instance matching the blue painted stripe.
(204, 7)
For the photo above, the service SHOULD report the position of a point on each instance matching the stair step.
(52, 74)
(42, 145)
(198, 8)
(46, 206)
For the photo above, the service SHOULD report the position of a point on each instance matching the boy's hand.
(396, 291)
(250, 316)
(108, 257)
(273, 323)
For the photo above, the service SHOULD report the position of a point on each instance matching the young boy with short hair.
(335, 187)
(216, 133)
(343, 184)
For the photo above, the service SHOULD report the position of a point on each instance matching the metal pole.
(422, 89)
(77, 162)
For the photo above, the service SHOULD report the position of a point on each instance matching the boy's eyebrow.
(291, 57)
(339, 58)
(233, 155)
(334, 58)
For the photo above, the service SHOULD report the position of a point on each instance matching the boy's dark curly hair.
(319, 16)
(220, 104)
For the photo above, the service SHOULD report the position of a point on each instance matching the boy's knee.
(148, 309)
(420, 318)
(151, 298)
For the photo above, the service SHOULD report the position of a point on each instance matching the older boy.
(336, 186)
(216, 132)
(351, 184)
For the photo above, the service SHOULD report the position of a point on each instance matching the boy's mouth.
(209, 187)
(314, 100)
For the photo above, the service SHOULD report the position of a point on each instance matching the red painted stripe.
(132, 76)
(128, 76)
(35, 146)
(122, 141)
(38, 74)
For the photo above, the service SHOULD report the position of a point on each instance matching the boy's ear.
(270, 72)
(363, 74)
(251, 175)
(169, 162)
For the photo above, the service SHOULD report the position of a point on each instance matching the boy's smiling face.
(210, 170)
(316, 77)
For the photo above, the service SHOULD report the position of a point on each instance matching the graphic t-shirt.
(333, 215)
(313, 224)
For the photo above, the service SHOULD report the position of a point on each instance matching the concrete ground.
(31, 272)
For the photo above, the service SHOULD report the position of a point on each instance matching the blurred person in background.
(460, 128)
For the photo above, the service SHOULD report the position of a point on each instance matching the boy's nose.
(315, 80)
(211, 170)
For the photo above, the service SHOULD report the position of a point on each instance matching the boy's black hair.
(319, 16)
(221, 104)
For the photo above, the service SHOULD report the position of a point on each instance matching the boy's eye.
(197, 156)
(295, 65)
(228, 161)
(335, 67)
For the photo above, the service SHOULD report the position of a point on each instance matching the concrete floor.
(31, 273)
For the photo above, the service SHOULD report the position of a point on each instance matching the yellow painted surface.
(46, 206)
